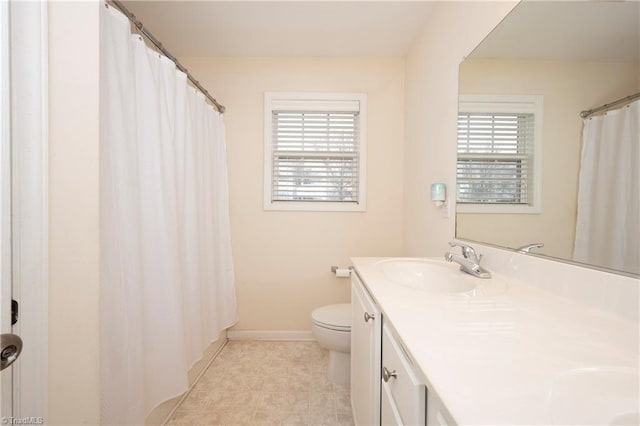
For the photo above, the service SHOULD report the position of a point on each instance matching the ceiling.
(575, 30)
(284, 28)
(572, 30)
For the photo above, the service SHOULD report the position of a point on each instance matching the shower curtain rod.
(626, 99)
(165, 52)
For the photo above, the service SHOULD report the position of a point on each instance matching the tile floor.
(266, 383)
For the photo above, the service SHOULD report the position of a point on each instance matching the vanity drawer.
(407, 392)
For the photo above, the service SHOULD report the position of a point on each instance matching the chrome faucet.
(529, 247)
(469, 261)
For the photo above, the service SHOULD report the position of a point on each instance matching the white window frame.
(313, 101)
(510, 104)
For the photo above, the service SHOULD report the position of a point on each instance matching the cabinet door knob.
(368, 316)
(387, 375)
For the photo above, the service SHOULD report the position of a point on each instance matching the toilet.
(331, 325)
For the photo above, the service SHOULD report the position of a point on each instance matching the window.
(315, 147)
(499, 154)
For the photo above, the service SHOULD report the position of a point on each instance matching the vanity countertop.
(509, 353)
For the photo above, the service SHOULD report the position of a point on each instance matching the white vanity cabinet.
(366, 329)
(403, 393)
(436, 413)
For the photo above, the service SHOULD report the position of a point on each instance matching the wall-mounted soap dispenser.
(438, 194)
(439, 198)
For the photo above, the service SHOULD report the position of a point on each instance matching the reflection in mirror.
(572, 56)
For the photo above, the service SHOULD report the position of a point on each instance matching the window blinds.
(495, 158)
(315, 156)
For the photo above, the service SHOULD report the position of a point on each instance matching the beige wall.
(431, 93)
(73, 221)
(283, 259)
(568, 88)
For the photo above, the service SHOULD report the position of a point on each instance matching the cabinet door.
(366, 329)
(389, 415)
(399, 377)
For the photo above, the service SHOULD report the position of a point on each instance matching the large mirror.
(553, 59)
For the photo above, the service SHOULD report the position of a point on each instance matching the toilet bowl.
(331, 325)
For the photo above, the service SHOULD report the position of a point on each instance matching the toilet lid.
(335, 317)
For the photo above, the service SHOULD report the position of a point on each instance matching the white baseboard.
(302, 335)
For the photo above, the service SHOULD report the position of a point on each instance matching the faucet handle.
(527, 248)
(456, 244)
(467, 251)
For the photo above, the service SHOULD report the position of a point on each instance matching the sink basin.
(601, 396)
(428, 274)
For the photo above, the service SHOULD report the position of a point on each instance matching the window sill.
(313, 206)
(497, 209)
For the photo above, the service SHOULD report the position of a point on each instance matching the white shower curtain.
(608, 223)
(167, 280)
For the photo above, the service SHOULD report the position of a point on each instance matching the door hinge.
(14, 312)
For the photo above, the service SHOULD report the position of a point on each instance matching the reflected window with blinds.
(498, 154)
(314, 151)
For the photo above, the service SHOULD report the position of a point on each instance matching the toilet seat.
(333, 317)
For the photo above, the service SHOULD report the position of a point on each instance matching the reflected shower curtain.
(167, 280)
(608, 223)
